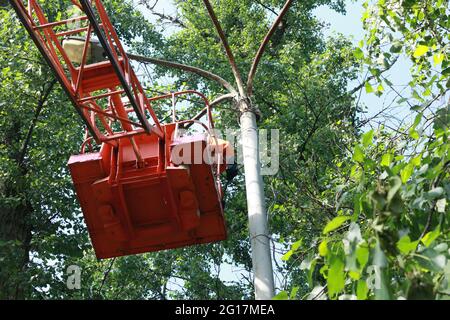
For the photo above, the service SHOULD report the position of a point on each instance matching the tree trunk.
(15, 226)
(15, 239)
(259, 236)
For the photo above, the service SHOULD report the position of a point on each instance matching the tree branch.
(432, 211)
(40, 106)
(105, 276)
(266, 7)
(223, 38)
(359, 87)
(191, 69)
(174, 20)
(151, 7)
(263, 46)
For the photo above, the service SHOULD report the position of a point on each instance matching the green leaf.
(354, 275)
(282, 295)
(406, 173)
(296, 245)
(294, 248)
(362, 290)
(438, 58)
(323, 248)
(336, 277)
(414, 134)
(434, 193)
(335, 223)
(416, 160)
(311, 270)
(358, 53)
(386, 159)
(420, 51)
(394, 186)
(432, 260)
(355, 172)
(396, 47)
(287, 255)
(362, 255)
(446, 71)
(294, 292)
(405, 245)
(367, 138)
(417, 120)
(429, 238)
(369, 88)
(358, 154)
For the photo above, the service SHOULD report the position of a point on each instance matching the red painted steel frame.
(162, 206)
(86, 84)
(134, 197)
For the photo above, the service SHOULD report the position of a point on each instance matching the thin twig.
(105, 275)
(173, 20)
(44, 96)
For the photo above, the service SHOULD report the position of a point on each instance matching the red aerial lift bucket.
(131, 210)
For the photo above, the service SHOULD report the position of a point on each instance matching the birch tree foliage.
(389, 239)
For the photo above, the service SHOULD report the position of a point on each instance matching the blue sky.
(351, 26)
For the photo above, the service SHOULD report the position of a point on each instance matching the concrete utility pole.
(257, 214)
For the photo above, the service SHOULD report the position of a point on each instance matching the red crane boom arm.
(100, 91)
